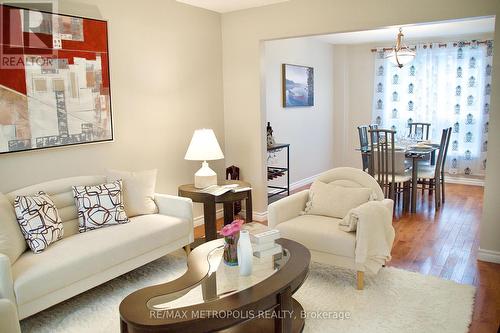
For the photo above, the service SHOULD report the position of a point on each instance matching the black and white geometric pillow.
(39, 220)
(99, 205)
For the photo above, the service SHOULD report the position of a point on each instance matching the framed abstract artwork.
(54, 80)
(298, 85)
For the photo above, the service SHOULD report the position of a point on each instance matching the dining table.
(414, 152)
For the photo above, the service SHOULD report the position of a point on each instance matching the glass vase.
(230, 255)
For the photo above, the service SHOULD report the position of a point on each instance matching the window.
(447, 85)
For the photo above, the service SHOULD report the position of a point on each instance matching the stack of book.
(263, 240)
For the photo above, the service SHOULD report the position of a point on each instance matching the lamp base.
(205, 177)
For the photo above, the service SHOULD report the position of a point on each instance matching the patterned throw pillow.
(99, 205)
(39, 220)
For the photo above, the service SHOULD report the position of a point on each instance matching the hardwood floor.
(444, 244)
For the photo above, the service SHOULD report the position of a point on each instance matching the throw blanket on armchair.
(372, 222)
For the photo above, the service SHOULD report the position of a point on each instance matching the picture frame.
(297, 86)
(55, 87)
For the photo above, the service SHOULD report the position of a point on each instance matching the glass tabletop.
(220, 280)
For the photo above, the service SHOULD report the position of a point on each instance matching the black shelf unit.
(274, 172)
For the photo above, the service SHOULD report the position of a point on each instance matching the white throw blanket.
(372, 222)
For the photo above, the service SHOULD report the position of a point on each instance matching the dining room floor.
(444, 243)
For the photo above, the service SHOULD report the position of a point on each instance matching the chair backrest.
(364, 145)
(374, 127)
(363, 136)
(351, 177)
(420, 130)
(446, 149)
(382, 161)
(443, 151)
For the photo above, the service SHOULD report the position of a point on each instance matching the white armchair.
(9, 322)
(320, 234)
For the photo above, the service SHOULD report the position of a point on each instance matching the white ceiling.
(414, 32)
(224, 6)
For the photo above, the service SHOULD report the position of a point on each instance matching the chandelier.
(400, 54)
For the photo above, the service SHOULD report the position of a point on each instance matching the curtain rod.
(429, 45)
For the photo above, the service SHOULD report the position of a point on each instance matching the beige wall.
(490, 225)
(308, 130)
(353, 94)
(166, 81)
(243, 32)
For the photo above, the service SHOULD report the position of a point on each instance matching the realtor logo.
(26, 34)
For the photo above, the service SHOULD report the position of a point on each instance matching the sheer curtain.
(447, 85)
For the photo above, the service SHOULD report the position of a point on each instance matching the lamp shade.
(204, 146)
(402, 57)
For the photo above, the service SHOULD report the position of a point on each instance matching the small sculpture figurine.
(270, 138)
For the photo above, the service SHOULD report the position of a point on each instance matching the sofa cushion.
(61, 193)
(39, 220)
(100, 205)
(138, 190)
(335, 201)
(80, 256)
(12, 242)
(319, 233)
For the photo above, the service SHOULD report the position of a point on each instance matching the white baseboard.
(303, 182)
(464, 181)
(300, 183)
(448, 179)
(262, 216)
(200, 220)
(259, 216)
(256, 216)
(488, 255)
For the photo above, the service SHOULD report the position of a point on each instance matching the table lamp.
(204, 147)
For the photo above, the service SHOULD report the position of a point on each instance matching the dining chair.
(364, 146)
(373, 126)
(418, 130)
(388, 166)
(444, 162)
(433, 175)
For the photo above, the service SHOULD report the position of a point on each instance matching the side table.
(209, 201)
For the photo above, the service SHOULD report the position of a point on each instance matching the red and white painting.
(54, 80)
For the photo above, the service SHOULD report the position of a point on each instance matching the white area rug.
(393, 301)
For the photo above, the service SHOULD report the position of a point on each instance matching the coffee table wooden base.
(269, 325)
(272, 295)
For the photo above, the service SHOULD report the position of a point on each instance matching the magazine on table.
(217, 190)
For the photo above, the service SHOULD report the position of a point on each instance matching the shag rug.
(395, 300)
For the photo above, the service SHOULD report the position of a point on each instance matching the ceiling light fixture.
(401, 54)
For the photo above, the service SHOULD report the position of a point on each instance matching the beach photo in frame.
(298, 85)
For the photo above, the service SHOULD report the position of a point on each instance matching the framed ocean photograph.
(298, 85)
(54, 80)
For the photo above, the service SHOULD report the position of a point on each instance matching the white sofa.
(9, 323)
(81, 261)
(321, 235)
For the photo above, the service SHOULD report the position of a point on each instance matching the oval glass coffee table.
(211, 296)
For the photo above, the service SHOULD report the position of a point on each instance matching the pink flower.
(232, 228)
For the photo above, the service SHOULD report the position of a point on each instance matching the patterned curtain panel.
(446, 86)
